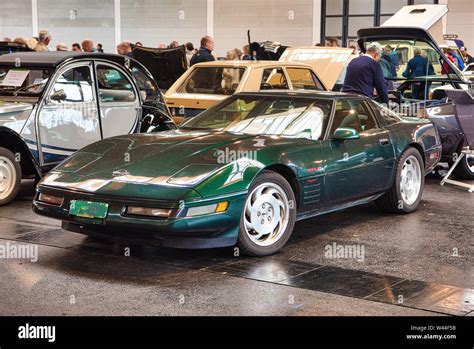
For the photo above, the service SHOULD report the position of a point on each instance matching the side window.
(148, 88)
(388, 115)
(303, 79)
(274, 79)
(113, 85)
(352, 114)
(73, 86)
(367, 121)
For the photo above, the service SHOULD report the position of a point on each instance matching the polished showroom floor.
(420, 264)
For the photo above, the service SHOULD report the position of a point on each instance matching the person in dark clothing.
(386, 66)
(247, 55)
(205, 52)
(364, 74)
(391, 57)
(416, 67)
(125, 49)
(466, 56)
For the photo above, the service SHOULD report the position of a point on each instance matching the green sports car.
(243, 172)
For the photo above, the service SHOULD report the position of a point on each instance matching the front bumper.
(207, 231)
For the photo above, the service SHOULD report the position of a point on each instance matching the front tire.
(268, 216)
(10, 176)
(407, 189)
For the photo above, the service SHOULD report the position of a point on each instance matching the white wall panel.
(289, 22)
(161, 21)
(461, 21)
(15, 18)
(72, 21)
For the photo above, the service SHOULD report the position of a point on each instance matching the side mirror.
(58, 96)
(345, 134)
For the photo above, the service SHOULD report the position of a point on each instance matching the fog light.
(51, 199)
(149, 212)
(208, 209)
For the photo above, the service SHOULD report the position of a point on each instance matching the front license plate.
(88, 209)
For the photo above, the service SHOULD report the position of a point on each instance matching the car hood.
(166, 65)
(14, 115)
(173, 159)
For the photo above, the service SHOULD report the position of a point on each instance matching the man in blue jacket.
(205, 51)
(364, 74)
(416, 67)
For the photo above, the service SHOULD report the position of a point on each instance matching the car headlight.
(149, 212)
(208, 209)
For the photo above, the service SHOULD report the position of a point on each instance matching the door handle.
(384, 141)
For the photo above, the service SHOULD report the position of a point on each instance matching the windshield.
(266, 115)
(23, 80)
(213, 81)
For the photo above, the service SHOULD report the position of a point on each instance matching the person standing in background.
(44, 38)
(332, 41)
(391, 56)
(125, 49)
(416, 67)
(189, 52)
(173, 44)
(88, 46)
(76, 47)
(205, 51)
(62, 47)
(100, 48)
(247, 55)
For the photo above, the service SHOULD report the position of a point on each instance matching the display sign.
(15, 78)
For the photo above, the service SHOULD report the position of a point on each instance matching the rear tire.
(268, 216)
(10, 176)
(407, 189)
(465, 169)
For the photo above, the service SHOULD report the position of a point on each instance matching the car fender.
(238, 176)
(424, 137)
(11, 140)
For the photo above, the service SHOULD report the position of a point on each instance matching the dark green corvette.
(243, 172)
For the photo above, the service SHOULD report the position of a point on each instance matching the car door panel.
(120, 106)
(361, 167)
(71, 123)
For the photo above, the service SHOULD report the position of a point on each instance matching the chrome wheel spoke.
(410, 180)
(266, 214)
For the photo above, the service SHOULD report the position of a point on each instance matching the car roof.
(253, 64)
(53, 59)
(303, 93)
